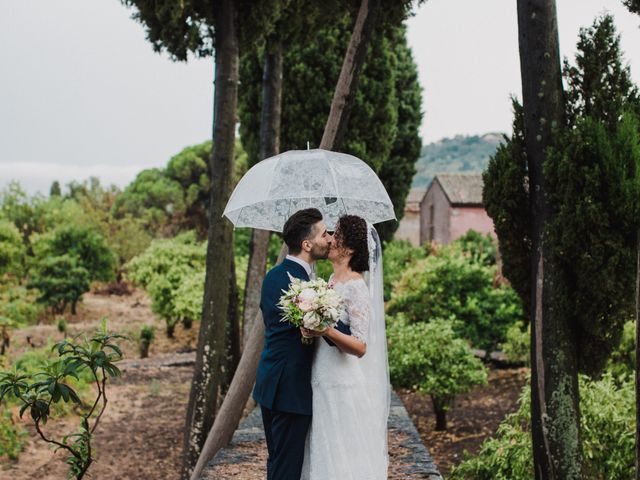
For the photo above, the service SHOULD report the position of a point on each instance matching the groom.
(283, 380)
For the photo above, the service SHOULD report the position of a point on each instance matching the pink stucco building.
(451, 206)
(409, 228)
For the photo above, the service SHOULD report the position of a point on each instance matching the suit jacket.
(283, 379)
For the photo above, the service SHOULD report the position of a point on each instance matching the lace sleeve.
(359, 311)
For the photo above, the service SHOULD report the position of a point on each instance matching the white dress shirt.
(307, 268)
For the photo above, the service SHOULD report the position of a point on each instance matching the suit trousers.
(286, 434)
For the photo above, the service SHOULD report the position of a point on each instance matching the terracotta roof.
(461, 188)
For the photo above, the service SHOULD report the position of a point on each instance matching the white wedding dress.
(347, 439)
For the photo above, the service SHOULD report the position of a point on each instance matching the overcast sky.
(82, 92)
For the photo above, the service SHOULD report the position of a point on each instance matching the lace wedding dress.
(348, 435)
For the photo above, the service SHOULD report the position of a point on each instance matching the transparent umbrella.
(335, 183)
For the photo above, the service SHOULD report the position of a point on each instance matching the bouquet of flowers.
(311, 304)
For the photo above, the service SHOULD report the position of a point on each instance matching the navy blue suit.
(283, 379)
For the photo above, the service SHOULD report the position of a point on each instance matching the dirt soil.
(140, 435)
(474, 417)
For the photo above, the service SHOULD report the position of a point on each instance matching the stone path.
(245, 457)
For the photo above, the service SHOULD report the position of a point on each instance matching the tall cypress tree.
(399, 167)
(592, 176)
(384, 123)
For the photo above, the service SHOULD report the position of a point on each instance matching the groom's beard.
(319, 253)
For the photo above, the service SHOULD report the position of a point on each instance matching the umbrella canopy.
(334, 183)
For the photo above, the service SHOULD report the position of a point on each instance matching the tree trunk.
(269, 146)
(212, 344)
(234, 401)
(440, 409)
(555, 415)
(638, 356)
(240, 389)
(233, 330)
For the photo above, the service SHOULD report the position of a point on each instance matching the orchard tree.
(24, 211)
(60, 282)
(86, 246)
(442, 368)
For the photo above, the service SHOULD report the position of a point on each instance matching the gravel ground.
(246, 456)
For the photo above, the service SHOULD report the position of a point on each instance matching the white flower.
(307, 295)
(311, 320)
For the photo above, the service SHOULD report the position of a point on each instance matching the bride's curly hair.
(351, 232)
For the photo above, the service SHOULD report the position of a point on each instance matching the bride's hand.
(311, 333)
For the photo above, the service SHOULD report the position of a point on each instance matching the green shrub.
(60, 281)
(608, 435)
(128, 238)
(398, 256)
(517, 346)
(12, 436)
(12, 251)
(623, 359)
(450, 283)
(481, 248)
(170, 271)
(429, 357)
(147, 334)
(164, 254)
(62, 325)
(19, 304)
(187, 301)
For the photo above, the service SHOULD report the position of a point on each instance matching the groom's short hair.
(299, 227)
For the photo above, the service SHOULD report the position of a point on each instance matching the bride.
(350, 376)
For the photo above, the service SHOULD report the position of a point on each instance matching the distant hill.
(459, 154)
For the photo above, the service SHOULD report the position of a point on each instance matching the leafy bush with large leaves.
(51, 385)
